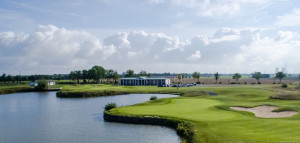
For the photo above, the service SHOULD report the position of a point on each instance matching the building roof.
(143, 78)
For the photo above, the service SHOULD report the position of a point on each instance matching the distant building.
(140, 81)
(35, 83)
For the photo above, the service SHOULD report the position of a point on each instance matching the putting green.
(197, 109)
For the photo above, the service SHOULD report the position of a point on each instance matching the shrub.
(245, 83)
(153, 97)
(284, 85)
(110, 106)
(274, 82)
(42, 85)
(232, 83)
(198, 82)
(259, 82)
(220, 82)
(181, 93)
(185, 129)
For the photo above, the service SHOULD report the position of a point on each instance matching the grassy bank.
(14, 88)
(214, 120)
(93, 90)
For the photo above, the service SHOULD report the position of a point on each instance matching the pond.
(42, 117)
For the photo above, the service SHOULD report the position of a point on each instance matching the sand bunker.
(266, 111)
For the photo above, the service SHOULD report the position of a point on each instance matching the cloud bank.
(50, 49)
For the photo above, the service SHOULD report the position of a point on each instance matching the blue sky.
(155, 35)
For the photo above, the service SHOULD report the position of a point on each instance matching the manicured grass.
(215, 122)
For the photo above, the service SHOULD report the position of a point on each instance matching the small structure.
(140, 81)
(49, 82)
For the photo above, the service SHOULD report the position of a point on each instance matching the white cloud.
(52, 49)
(289, 19)
(195, 56)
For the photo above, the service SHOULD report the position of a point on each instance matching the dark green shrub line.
(67, 94)
(184, 129)
(84, 94)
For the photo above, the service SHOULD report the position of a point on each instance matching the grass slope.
(215, 122)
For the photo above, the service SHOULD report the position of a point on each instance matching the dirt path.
(266, 111)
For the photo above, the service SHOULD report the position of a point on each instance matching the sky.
(177, 36)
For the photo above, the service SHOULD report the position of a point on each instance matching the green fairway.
(192, 109)
(215, 122)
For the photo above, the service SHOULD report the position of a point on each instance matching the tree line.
(94, 75)
(98, 74)
(237, 76)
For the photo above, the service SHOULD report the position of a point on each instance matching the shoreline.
(184, 129)
(24, 89)
(87, 94)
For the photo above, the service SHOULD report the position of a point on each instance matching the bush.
(274, 82)
(232, 83)
(153, 97)
(259, 83)
(185, 129)
(181, 93)
(42, 85)
(284, 85)
(245, 83)
(220, 82)
(110, 106)
(198, 82)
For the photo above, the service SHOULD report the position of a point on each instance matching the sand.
(266, 111)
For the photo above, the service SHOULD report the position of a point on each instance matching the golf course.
(213, 120)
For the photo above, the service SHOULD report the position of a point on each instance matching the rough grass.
(13, 88)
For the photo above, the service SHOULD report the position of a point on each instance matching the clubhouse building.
(140, 81)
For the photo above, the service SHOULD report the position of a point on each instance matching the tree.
(217, 76)
(149, 75)
(72, 76)
(280, 76)
(129, 73)
(196, 75)
(236, 76)
(257, 76)
(115, 76)
(90, 74)
(18, 78)
(42, 85)
(143, 73)
(59, 77)
(3, 78)
(97, 73)
(84, 75)
(9, 78)
(299, 78)
(77, 76)
(109, 74)
(24, 78)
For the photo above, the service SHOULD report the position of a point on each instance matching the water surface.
(42, 117)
